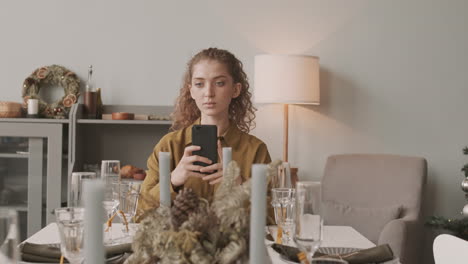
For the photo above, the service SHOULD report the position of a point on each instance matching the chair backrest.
(449, 249)
(375, 180)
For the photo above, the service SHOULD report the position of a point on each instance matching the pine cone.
(185, 204)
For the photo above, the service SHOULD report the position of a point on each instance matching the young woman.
(215, 91)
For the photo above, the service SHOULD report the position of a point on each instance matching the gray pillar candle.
(258, 212)
(93, 221)
(165, 178)
(227, 157)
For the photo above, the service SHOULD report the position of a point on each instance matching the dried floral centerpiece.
(195, 231)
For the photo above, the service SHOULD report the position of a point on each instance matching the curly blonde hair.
(241, 110)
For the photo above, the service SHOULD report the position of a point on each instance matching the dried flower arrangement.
(195, 231)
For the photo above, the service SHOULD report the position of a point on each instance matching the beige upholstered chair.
(380, 196)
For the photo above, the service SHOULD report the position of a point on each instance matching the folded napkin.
(376, 254)
(51, 254)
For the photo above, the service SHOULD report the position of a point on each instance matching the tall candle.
(227, 157)
(165, 178)
(258, 211)
(93, 221)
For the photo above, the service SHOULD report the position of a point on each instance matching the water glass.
(128, 193)
(309, 223)
(9, 236)
(283, 202)
(70, 222)
(76, 191)
(110, 171)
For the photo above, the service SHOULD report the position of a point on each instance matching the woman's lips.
(209, 105)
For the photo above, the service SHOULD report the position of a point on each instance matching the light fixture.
(286, 79)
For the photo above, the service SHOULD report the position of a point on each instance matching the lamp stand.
(285, 132)
(294, 171)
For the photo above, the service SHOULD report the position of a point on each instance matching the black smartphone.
(205, 136)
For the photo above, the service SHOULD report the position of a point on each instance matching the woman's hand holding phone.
(186, 168)
(218, 167)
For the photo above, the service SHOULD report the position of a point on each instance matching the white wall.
(393, 73)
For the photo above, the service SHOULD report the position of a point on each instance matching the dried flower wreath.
(53, 75)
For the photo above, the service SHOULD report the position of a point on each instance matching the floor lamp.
(286, 79)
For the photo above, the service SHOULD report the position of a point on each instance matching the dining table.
(333, 237)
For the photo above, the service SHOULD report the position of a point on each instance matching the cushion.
(367, 221)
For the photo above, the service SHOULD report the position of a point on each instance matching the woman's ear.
(237, 90)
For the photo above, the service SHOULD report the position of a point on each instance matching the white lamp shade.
(287, 79)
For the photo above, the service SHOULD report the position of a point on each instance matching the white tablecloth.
(333, 236)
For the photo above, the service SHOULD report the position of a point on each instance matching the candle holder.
(33, 108)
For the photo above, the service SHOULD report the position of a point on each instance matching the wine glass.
(309, 224)
(110, 204)
(9, 233)
(76, 191)
(128, 193)
(70, 222)
(283, 202)
(110, 171)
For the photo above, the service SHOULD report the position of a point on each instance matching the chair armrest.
(405, 238)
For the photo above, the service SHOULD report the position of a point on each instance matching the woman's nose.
(209, 92)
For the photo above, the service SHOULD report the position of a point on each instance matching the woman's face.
(213, 88)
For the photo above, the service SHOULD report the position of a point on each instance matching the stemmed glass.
(128, 193)
(9, 233)
(283, 202)
(70, 221)
(110, 174)
(110, 204)
(309, 224)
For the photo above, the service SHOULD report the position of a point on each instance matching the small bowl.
(10, 110)
(123, 116)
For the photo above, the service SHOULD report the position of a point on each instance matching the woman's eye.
(220, 83)
(199, 84)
